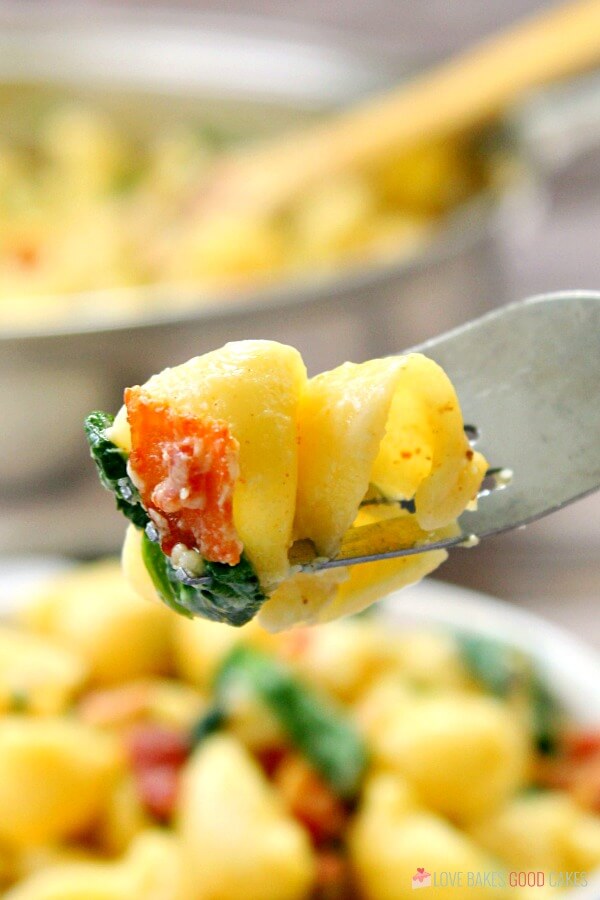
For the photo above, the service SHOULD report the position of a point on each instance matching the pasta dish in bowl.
(143, 754)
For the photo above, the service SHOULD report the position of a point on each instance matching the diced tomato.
(575, 769)
(185, 468)
(158, 788)
(582, 744)
(155, 745)
(270, 759)
(310, 800)
(157, 754)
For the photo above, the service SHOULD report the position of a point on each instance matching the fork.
(529, 375)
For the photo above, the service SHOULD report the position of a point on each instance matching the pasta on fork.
(224, 463)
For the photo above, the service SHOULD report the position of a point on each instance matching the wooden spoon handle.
(454, 96)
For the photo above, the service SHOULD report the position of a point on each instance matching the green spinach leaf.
(504, 670)
(230, 594)
(213, 720)
(317, 727)
(111, 463)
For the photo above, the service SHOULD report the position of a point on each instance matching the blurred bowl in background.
(249, 77)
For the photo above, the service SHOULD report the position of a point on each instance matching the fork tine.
(529, 375)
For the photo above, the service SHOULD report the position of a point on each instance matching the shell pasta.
(394, 423)
(231, 458)
(187, 760)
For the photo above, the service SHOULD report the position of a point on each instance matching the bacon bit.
(310, 800)
(406, 454)
(185, 469)
(158, 789)
(333, 876)
(470, 454)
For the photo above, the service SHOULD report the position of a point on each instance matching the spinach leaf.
(111, 462)
(163, 576)
(503, 671)
(213, 719)
(313, 724)
(547, 719)
(230, 594)
(496, 666)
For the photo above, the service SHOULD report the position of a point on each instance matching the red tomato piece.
(155, 745)
(185, 469)
(158, 788)
(582, 744)
(270, 759)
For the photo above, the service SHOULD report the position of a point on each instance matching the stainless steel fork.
(528, 376)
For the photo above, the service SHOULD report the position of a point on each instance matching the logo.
(421, 879)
